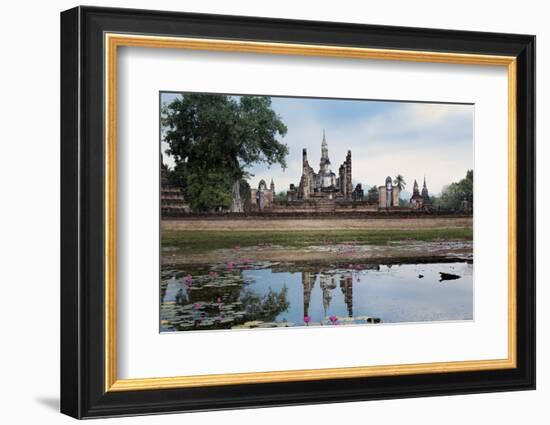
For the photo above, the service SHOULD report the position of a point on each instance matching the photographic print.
(306, 212)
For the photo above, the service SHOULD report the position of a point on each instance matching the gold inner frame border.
(111, 43)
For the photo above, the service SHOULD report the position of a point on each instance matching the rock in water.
(447, 276)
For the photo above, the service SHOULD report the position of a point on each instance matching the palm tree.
(400, 182)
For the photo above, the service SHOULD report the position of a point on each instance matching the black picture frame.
(83, 392)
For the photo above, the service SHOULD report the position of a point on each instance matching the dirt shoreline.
(317, 224)
(407, 252)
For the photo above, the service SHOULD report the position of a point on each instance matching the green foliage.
(372, 195)
(244, 191)
(208, 190)
(458, 196)
(176, 176)
(400, 182)
(281, 196)
(265, 307)
(214, 135)
(185, 242)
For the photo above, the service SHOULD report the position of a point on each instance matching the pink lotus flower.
(246, 260)
(307, 319)
(333, 320)
(213, 275)
(350, 266)
(197, 306)
(230, 265)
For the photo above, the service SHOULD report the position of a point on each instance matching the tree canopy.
(215, 138)
(458, 196)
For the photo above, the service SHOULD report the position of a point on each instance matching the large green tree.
(458, 196)
(214, 139)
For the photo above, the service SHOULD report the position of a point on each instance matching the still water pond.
(266, 295)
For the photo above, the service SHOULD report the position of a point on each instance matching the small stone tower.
(426, 201)
(349, 187)
(416, 198)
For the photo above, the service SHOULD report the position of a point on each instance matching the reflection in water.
(327, 283)
(263, 295)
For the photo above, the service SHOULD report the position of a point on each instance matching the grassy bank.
(200, 241)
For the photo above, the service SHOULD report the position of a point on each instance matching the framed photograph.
(261, 212)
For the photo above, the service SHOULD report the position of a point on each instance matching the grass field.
(199, 241)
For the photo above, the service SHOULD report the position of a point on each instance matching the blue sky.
(386, 139)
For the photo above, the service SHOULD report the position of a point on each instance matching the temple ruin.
(388, 195)
(321, 192)
(172, 201)
(327, 192)
(262, 198)
(323, 184)
(420, 201)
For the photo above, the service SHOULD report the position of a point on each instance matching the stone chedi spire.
(426, 201)
(326, 178)
(416, 200)
(325, 161)
(425, 189)
(415, 189)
